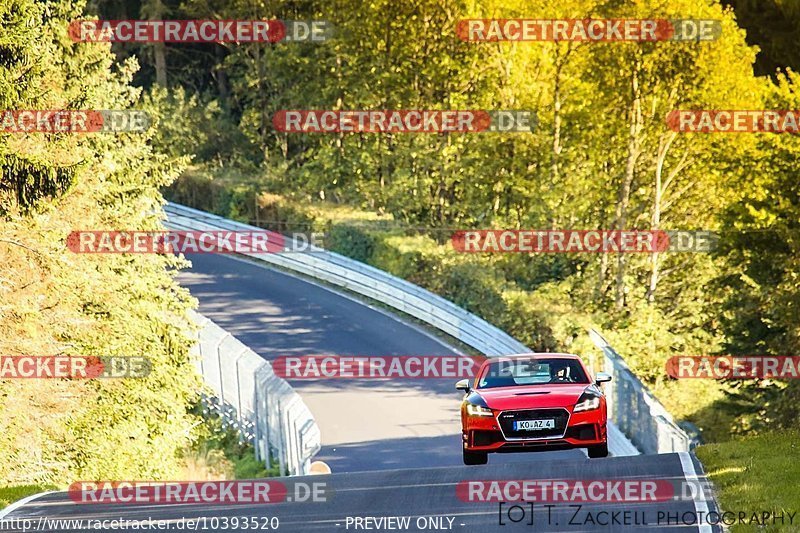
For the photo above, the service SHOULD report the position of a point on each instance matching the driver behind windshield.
(510, 373)
(560, 374)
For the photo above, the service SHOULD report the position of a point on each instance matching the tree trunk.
(155, 10)
(221, 77)
(554, 167)
(655, 224)
(160, 52)
(623, 199)
(601, 276)
(661, 187)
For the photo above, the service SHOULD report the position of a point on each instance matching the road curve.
(365, 424)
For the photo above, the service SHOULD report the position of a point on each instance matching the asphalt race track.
(365, 424)
(393, 445)
(417, 494)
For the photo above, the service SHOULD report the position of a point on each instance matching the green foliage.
(9, 495)
(529, 322)
(758, 472)
(773, 25)
(758, 286)
(351, 241)
(418, 259)
(57, 302)
(601, 157)
(224, 445)
(30, 176)
(473, 287)
(187, 125)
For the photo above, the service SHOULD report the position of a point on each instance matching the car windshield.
(525, 372)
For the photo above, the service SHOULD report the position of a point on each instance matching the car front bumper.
(485, 434)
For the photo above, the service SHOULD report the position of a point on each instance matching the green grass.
(247, 467)
(238, 459)
(756, 474)
(10, 494)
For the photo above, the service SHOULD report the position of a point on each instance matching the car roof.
(534, 355)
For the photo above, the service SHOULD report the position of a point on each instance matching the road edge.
(19, 503)
(694, 472)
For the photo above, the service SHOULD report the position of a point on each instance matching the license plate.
(528, 425)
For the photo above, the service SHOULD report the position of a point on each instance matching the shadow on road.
(422, 452)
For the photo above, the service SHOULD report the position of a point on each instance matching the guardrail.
(636, 412)
(363, 279)
(368, 281)
(250, 397)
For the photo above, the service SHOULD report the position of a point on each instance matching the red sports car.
(532, 402)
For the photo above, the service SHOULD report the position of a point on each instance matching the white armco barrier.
(636, 412)
(249, 396)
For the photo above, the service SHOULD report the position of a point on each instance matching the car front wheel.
(475, 458)
(598, 451)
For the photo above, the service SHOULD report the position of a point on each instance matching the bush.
(473, 287)
(416, 259)
(354, 242)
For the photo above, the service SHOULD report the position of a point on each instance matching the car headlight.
(588, 401)
(478, 410)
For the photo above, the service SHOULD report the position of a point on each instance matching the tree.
(58, 302)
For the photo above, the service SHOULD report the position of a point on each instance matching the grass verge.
(757, 474)
(12, 493)
(218, 453)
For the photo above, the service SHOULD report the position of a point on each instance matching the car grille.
(507, 418)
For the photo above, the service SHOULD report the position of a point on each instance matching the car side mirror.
(602, 377)
(463, 385)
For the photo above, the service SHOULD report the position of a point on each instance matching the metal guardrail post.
(637, 413)
(239, 418)
(221, 381)
(265, 427)
(281, 447)
(257, 428)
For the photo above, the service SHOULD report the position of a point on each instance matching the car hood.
(532, 397)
